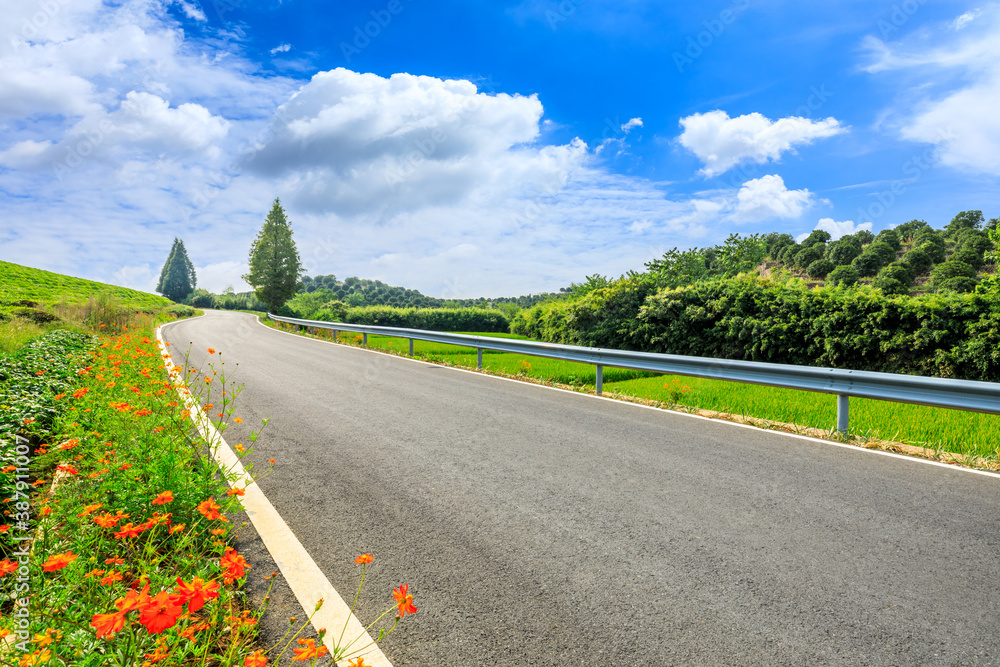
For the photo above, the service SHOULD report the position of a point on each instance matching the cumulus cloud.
(953, 70)
(838, 229)
(721, 142)
(767, 197)
(281, 48)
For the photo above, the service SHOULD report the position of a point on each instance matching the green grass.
(34, 302)
(965, 433)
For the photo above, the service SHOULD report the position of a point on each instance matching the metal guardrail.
(966, 395)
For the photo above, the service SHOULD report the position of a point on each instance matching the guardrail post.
(334, 335)
(600, 379)
(479, 358)
(843, 410)
(364, 339)
(411, 347)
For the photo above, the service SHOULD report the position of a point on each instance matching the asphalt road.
(538, 527)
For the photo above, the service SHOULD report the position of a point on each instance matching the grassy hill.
(33, 301)
(21, 283)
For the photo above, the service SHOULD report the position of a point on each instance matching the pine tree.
(177, 278)
(274, 261)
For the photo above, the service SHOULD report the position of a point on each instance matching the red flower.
(233, 564)
(160, 613)
(364, 559)
(6, 567)
(108, 624)
(258, 659)
(59, 561)
(164, 498)
(80, 393)
(404, 600)
(196, 593)
(310, 651)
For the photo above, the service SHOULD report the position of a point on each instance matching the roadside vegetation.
(116, 539)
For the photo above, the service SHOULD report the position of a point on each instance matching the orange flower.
(6, 567)
(235, 491)
(69, 444)
(208, 380)
(210, 510)
(160, 613)
(59, 561)
(93, 573)
(211, 350)
(257, 659)
(164, 498)
(310, 651)
(90, 508)
(80, 393)
(115, 561)
(111, 578)
(237, 420)
(178, 528)
(196, 593)
(128, 530)
(133, 600)
(219, 531)
(233, 564)
(404, 600)
(108, 624)
(143, 413)
(107, 520)
(364, 559)
(357, 662)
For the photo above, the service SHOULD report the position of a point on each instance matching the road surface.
(539, 527)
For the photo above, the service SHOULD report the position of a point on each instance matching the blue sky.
(481, 149)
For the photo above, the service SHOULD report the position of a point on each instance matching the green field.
(965, 433)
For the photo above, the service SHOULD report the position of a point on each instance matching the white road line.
(304, 577)
(853, 448)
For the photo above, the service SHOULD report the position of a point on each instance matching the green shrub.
(843, 252)
(884, 251)
(820, 268)
(807, 256)
(919, 260)
(935, 251)
(432, 319)
(867, 263)
(894, 279)
(845, 276)
(864, 237)
(890, 238)
(948, 271)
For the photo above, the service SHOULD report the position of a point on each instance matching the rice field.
(955, 431)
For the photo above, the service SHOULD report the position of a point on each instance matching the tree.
(177, 278)
(274, 261)
(740, 254)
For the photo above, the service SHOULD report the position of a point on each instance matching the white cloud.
(839, 229)
(721, 142)
(620, 136)
(950, 88)
(966, 18)
(191, 11)
(281, 48)
(767, 197)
